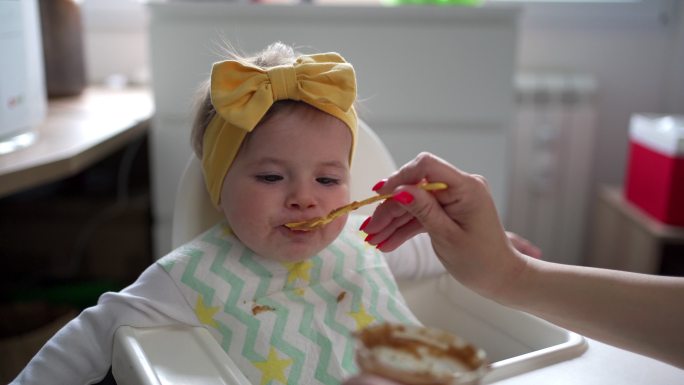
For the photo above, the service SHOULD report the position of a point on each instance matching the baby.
(276, 133)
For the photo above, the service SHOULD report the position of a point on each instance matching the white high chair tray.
(171, 355)
(515, 342)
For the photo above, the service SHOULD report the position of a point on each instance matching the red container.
(655, 172)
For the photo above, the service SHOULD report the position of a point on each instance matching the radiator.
(551, 169)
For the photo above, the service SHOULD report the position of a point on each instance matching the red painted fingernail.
(381, 244)
(403, 197)
(369, 238)
(364, 224)
(379, 185)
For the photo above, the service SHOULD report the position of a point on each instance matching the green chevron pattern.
(356, 298)
(188, 278)
(231, 307)
(307, 323)
(258, 270)
(278, 342)
(342, 331)
(374, 288)
(307, 330)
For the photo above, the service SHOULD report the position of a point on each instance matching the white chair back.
(194, 213)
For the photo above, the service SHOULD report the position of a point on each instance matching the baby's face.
(293, 167)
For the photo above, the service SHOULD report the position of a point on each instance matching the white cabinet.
(436, 79)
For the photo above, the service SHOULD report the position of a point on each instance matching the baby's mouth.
(299, 231)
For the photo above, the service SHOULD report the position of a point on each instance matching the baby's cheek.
(246, 230)
(335, 228)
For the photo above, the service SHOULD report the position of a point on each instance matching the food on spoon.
(311, 224)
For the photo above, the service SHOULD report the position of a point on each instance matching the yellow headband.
(242, 94)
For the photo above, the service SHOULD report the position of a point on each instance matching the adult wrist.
(520, 277)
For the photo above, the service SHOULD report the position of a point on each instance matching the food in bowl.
(415, 355)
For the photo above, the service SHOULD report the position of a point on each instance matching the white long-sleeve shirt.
(80, 353)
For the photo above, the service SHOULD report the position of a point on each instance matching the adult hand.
(462, 222)
(467, 235)
(523, 245)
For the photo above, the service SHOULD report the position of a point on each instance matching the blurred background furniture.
(86, 170)
(74, 215)
(552, 143)
(626, 238)
(77, 132)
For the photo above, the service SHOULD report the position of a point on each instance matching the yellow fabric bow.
(242, 94)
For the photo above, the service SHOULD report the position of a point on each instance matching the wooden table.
(76, 133)
(626, 238)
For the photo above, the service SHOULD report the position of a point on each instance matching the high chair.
(515, 342)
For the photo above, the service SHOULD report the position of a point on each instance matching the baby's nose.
(301, 198)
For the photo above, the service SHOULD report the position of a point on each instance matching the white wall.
(115, 41)
(636, 54)
(675, 97)
(452, 97)
(633, 50)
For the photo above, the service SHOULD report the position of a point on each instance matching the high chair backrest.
(193, 212)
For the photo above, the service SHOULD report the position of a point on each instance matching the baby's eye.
(269, 178)
(327, 181)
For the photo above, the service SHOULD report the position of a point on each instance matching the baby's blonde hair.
(274, 55)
